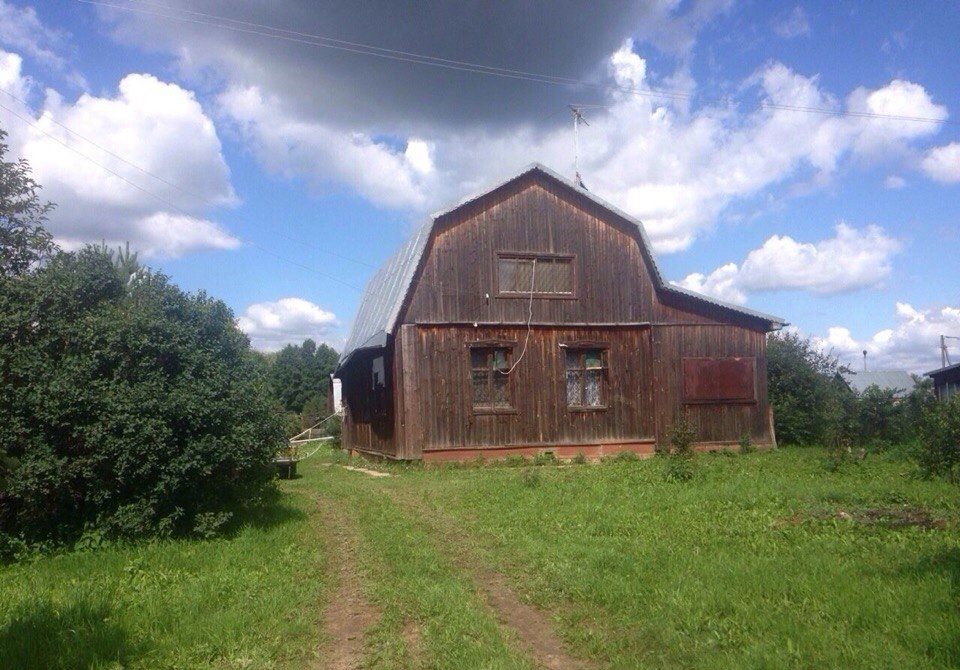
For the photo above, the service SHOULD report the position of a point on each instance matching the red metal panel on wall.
(719, 379)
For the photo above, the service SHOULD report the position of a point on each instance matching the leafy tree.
(127, 407)
(300, 373)
(803, 389)
(23, 240)
(939, 452)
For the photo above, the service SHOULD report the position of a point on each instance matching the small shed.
(946, 381)
(899, 381)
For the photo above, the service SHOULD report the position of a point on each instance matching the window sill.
(537, 296)
(495, 410)
(591, 408)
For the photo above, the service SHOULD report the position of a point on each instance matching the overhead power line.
(30, 122)
(326, 42)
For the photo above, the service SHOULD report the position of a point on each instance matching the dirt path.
(349, 614)
(529, 626)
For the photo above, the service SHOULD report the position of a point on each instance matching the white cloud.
(912, 344)
(285, 144)
(943, 163)
(21, 29)
(158, 127)
(271, 325)
(169, 235)
(676, 170)
(11, 79)
(852, 259)
(794, 24)
(722, 283)
(894, 182)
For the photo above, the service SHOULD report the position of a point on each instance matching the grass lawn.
(762, 560)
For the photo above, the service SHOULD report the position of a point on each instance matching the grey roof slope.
(385, 292)
(887, 380)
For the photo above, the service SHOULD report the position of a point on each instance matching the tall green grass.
(764, 560)
(750, 564)
(246, 601)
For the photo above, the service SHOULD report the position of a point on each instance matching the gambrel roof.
(386, 291)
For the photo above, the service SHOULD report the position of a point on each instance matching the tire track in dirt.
(348, 614)
(529, 626)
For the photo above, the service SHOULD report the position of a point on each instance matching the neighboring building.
(898, 381)
(452, 355)
(946, 381)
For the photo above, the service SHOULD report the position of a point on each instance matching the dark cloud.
(564, 38)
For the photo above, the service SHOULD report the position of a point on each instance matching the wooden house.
(532, 317)
(946, 381)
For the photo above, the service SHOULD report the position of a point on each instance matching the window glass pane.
(500, 359)
(524, 275)
(481, 392)
(508, 274)
(553, 275)
(593, 358)
(478, 357)
(573, 359)
(591, 389)
(500, 390)
(574, 396)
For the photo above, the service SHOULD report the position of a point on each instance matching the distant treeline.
(299, 378)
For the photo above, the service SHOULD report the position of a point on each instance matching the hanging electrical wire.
(526, 339)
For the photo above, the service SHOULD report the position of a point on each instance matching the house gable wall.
(454, 301)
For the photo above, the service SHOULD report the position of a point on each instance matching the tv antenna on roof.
(577, 120)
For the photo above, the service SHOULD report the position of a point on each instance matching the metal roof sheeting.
(387, 289)
(887, 380)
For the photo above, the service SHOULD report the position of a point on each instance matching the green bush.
(127, 407)
(939, 444)
(683, 436)
(334, 427)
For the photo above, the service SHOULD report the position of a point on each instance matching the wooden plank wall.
(455, 288)
(361, 429)
(439, 405)
(612, 281)
(721, 422)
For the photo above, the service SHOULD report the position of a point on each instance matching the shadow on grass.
(273, 511)
(61, 637)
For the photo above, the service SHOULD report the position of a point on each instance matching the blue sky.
(276, 174)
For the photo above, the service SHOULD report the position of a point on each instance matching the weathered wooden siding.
(454, 301)
(718, 422)
(363, 429)
(439, 406)
(458, 284)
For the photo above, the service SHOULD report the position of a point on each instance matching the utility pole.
(944, 354)
(577, 120)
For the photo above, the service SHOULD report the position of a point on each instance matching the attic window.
(549, 275)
